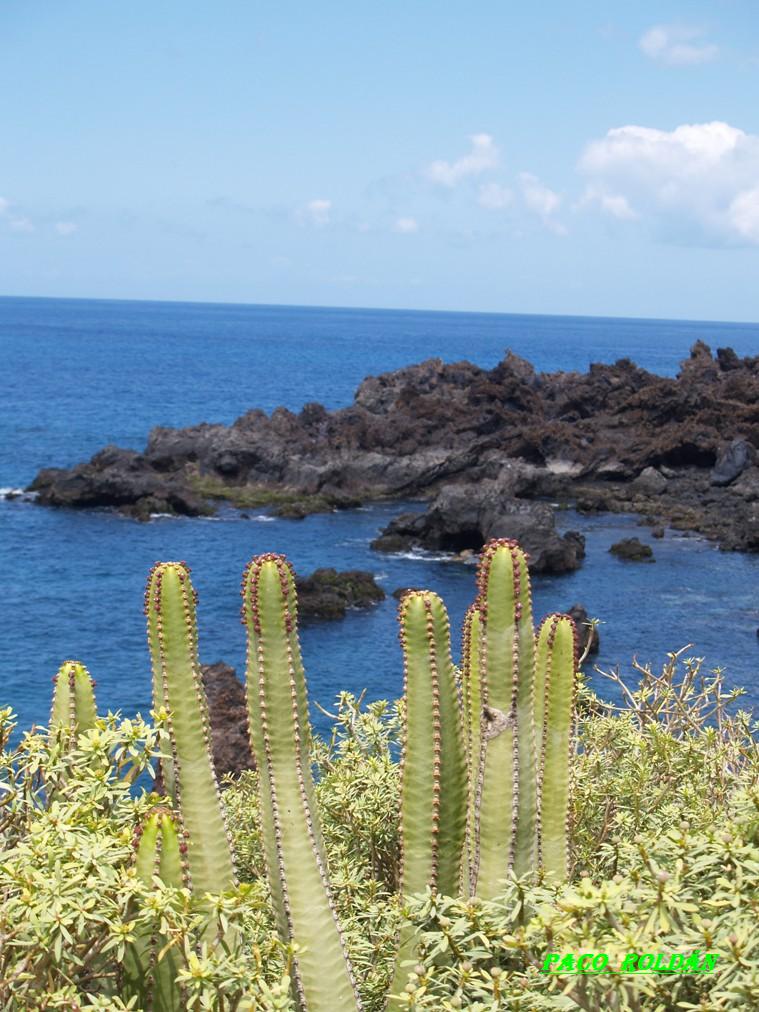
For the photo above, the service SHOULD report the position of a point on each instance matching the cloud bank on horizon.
(569, 161)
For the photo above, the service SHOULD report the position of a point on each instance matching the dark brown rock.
(732, 462)
(628, 438)
(328, 594)
(228, 714)
(464, 517)
(649, 481)
(632, 550)
(586, 634)
(400, 591)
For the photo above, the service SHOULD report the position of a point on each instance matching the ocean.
(79, 374)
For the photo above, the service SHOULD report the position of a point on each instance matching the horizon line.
(375, 309)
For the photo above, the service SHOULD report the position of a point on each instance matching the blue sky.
(588, 157)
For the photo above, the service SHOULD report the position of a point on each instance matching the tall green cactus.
(518, 698)
(177, 686)
(433, 779)
(73, 698)
(159, 851)
(556, 661)
(506, 783)
(296, 862)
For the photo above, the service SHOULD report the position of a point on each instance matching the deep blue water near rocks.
(80, 374)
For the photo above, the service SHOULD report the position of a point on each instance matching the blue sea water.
(78, 374)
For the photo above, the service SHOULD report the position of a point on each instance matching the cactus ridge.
(436, 748)
(472, 706)
(273, 661)
(170, 602)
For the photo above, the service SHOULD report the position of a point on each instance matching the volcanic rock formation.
(681, 450)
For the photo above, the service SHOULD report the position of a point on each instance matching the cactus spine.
(556, 655)
(280, 738)
(73, 698)
(177, 686)
(158, 852)
(433, 781)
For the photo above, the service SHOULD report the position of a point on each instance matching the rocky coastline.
(491, 449)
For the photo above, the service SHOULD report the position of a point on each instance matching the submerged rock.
(632, 550)
(585, 633)
(328, 594)
(400, 591)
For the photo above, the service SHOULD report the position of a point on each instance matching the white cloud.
(406, 226)
(315, 212)
(537, 197)
(743, 214)
(699, 182)
(4, 205)
(65, 227)
(677, 46)
(21, 225)
(494, 196)
(541, 200)
(483, 156)
(613, 204)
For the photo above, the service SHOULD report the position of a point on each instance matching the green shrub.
(69, 896)
(665, 859)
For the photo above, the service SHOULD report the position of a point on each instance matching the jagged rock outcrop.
(467, 515)
(616, 433)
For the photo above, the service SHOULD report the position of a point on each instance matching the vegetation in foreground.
(105, 904)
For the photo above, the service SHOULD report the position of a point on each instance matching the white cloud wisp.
(482, 157)
(315, 212)
(677, 46)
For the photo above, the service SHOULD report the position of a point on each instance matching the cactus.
(433, 779)
(296, 863)
(518, 755)
(556, 655)
(146, 977)
(73, 698)
(505, 815)
(188, 767)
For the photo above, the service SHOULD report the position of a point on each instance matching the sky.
(593, 158)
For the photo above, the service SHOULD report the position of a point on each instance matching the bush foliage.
(666, 859)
